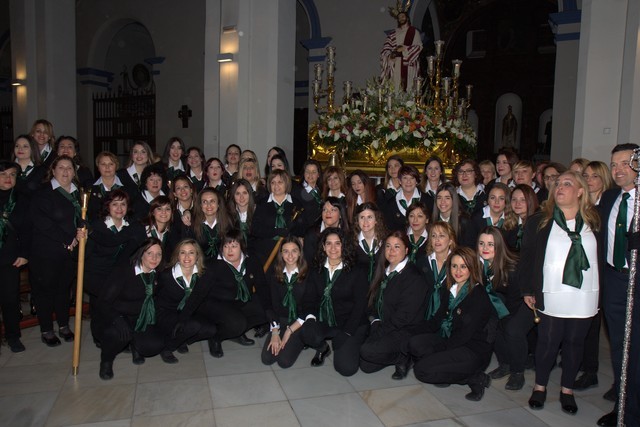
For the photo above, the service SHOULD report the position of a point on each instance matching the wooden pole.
(79, 289)
(276, 248)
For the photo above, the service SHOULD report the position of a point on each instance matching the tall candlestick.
(331, 53)
(445, 85)
(389, 102)
(439, 44)
(316, 87)
(318, 69)
(469, 87)
(417, 83)
(430, 65)
(456, 67)
(347, 89)
(365, 101)
(330, 68)
(380, 95)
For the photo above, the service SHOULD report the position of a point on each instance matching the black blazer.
(404, 301)
(33, 182)
(263, 231)
(607, 201)
(393, 218)
(17, 235)
(349, 297)
(224, 287)
(54, 228)
(276, 312)
(123, 293)
(169, 293)
(129, 185)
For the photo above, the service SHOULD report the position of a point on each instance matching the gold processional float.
(379, 121)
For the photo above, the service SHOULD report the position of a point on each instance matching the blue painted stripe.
(570, 17)
(95, 83)
(567, 37)
(155, 60)
(319, 58)
(87, 71)
(302, 83)
(305, 94)
(314, 18)
(316, 43)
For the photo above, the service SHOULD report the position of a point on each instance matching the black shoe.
(243, 340)
(50, 339)
(611, 395)
(106, 370)
(515, 381)
(136, 357)
(402, 369)
(477, 384)
(15, 345)
(500, 372)
(568, 403)
(318, 359)
(261, 330)
(215, 348)
(168, 357)
(536, 401)
(442, 385)
(66, 334)
(183, 349)
(585, 381)
(609, 420)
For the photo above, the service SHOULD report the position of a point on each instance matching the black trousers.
(114, 337)
(232, 318)
(552, 333)
(382, 349)
(346, 348)
(50, 279)
(289, 354)
(591, 355)
(454, 366)
(511, 345)
(194, 329)
(10, 300)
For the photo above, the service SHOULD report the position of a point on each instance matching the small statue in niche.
(509, 129)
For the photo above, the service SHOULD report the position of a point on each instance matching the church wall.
(177, 30)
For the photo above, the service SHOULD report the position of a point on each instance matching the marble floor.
(38, 389)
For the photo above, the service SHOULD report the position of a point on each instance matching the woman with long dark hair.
(128, 309)
(140, 156)
(309, 193)
(183, 191)
(241, 206)
(397, 301)
(214, 175)
(417, 219)
(524, 204)
(158, 224)
(174, 152)
(31, 173)
(368, 230)
(287, 283)
(360, 189)
(448, 208)
(196, 169)
(232, 162)
(458, 347)
(210, 221)
(336, 303)
(391, 183)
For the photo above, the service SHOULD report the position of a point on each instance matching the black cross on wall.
(184, 113)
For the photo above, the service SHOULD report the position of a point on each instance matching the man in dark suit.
(616, 211)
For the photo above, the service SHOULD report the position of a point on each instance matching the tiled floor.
(37, 389)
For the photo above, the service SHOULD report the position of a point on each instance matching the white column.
(257, 89)
(212, 146)
(629, 123)
(43, 54)
(599, 81)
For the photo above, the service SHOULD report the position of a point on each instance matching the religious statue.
(509, 129)
(400, 54)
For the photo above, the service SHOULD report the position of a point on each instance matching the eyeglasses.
(466, 172)
(550, 177)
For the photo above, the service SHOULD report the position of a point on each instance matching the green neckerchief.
(73, 198)
(154, 233)
(4, 218)
(44, 155)
(120, 246)
(326, 305)
(403, 202)
(438, 277)
(497, 303)
(519, 236)
(148, 311)
(289, 301)
(620, 234)
(243, 292)
(498, 225)
(577, 258)
(316, 196)
(25, 173)
(244, 228)
(213, 241)
(173, 172)
(469, 205)
(380, 296)
(447, 322)
(103, 189)
(414, 247)
(280, 222)
(136, 179)
(187, 289)
(371, 253)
